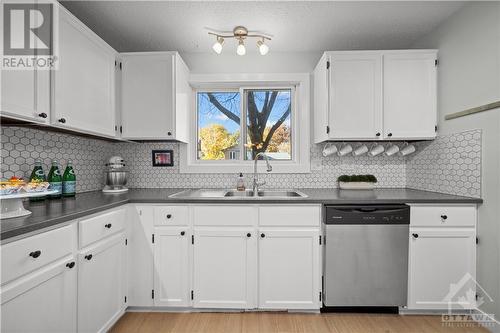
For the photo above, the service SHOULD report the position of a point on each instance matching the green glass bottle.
(37, 175)
(55, 181)
(69, 181)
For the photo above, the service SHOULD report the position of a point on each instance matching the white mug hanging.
(363, 149)
(346, 149)
(391, 150)
(407, 149)
(377, 149)
(329, 149)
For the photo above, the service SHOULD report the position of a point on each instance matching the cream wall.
(469, 76)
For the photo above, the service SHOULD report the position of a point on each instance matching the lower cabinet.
(289, 269)
(43, 301)
(224, 267)
(101, 279)
(171, 266)
(442, 268)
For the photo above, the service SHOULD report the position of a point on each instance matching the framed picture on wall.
(163, 158)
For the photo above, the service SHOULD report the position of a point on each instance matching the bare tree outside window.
(267, 124)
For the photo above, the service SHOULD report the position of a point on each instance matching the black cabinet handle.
(415, 235)
(169, 216)
(62, 120)
(169, 133)
(444, 217)
(35, 254)
(70, 264)
(108, 225)
(249, 235)
(378, 134)
(88, 256)
(183, 233)
(262, 235)
(42, 115)
(389, 135)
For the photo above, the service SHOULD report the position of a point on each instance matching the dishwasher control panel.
(367, 214)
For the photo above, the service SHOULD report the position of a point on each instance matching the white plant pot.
(356, 185)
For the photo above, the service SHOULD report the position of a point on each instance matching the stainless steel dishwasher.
(366, 255)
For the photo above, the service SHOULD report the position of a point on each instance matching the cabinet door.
(224, 268)
(148, 96)
(26, 94)
(171, 258)
(441, 260)
(410, 95)
(289, 269)
(321, 95)
(101, 274)
(44, 301)
(355, 109)
(84, 83)
(140, 256)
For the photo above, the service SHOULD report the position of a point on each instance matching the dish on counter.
(17, 185)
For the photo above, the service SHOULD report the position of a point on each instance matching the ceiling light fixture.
(218, 45)
(240, 33)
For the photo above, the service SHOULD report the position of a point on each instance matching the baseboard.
(112, 321)
(493, 327)
(198, 310)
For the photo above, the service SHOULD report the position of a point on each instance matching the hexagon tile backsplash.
(448, 164)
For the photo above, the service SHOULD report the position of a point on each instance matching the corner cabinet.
(155, 96)
(84, 84)
(375, 95)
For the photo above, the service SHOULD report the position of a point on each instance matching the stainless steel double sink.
(234, 194)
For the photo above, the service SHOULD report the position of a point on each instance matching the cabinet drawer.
(98, 227)
(439, 216)
(233, 215)
(28, 254)
(171, 215)
(289, 215)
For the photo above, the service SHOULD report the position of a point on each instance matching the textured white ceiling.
(298, 26)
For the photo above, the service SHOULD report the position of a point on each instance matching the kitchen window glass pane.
(269, 123)
(218, 125)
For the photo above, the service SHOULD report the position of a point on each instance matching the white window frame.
(300, 122)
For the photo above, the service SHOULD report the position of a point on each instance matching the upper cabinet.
(84, 84)
(155, 96)
(375, 95)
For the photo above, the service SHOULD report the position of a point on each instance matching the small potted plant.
(357, 182)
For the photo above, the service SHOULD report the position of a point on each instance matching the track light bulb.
(218, 45)
(263, 48)
(241, 50)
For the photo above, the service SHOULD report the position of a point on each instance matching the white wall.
(469, 76)
(229, 62)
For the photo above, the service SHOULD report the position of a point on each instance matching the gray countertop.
(52, 212)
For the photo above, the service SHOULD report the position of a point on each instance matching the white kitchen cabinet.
(84, 84)
(42, 301)
(224, 270)
(289, 269)
(440, 258)
(172, 270)
(101, 284)
(155, 96)
(26, 95)
(375, 95)
(140, 256)
(410, 103)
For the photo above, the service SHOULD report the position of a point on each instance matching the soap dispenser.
(240, 183)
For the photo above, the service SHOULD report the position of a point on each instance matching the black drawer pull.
(88, 256)
(249, 235)
(70, 264)
(262, 235)
(35, 254)
(389, 135)
(415, 235)
(108, 225)
(169, 216)
(183, 233)
(444, 217)
(62, 120)
(42, 115)
(378, 134)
